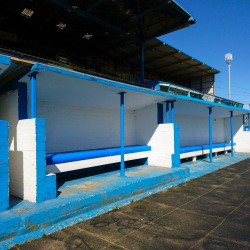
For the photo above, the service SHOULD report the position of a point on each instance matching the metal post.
(122, 134)
(210, 135)
(172, 112)
(229, 80)
(159, 113)
(244, 127)
(248, 127)
(232, 135)
(33, 95)
(167, 112)
(142, 62)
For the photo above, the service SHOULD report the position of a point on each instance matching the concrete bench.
(194, 151)
(68, 161)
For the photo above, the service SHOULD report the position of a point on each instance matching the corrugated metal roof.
(163, 60)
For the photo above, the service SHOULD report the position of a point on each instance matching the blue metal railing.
(175, 89)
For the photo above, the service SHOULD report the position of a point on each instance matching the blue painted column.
(142, 62)
(167, 112)
(122, 134)
(210, 135)
(244, 127)
(33, 95)
(4, 166)
(159, 113)
(172, 112)
(232, 135)
(248, 124)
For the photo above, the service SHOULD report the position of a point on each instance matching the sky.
(222, 26)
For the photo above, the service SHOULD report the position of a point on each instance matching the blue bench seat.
(57, 158)
(190, 149)
(204, 147)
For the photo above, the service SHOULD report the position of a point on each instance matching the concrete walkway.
(210, 212)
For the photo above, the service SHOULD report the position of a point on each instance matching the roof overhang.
(111, 23)
(86, 90)
(163, 60)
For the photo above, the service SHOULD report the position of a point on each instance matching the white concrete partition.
(163, 138)
(34, 185)
(162, 146)
(241, 137)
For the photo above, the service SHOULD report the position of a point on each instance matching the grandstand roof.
(163, 59)
(111, 23)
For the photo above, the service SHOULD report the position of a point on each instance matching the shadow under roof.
(163, 60)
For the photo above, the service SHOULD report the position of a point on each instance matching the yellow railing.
(125, 76)
(117, 76)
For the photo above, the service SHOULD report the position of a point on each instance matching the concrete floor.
(210, 212)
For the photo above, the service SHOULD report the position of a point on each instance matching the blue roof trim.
(130, 87)
(5, 60)
(181, 8)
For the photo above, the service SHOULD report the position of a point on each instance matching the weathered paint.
(82, 199)
(176, 156)
(4, 166)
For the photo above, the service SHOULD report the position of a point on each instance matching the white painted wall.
(9, 112)
(204, 84)
(36, 186)
(23, 151)
(159, 136)
(70, 127)
(26, 147)
(194, 130)
(241, 138)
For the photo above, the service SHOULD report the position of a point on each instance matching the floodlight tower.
(228, 59)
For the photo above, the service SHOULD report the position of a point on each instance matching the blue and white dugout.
(61, 120)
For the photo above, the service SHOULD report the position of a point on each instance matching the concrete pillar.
(35, 185)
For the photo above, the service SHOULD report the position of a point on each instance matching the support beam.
(172, 111)
(142, 62)
(167, 112)
(248, 123)
(145, 50)
(95, 19)
(164, 56)
(197, 72)
(210, 134)
(173, 72)
(122, 134)
(244, 127)
(167, 65)
(232, 134)
(33, 95)
(159, 113)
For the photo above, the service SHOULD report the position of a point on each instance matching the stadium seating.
(62, 162)
(193, 151)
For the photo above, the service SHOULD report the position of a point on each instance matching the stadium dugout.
(93, 86)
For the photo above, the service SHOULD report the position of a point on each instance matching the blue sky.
(222, 26)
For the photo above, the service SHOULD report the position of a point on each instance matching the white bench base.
(205, 152)
(75, 165)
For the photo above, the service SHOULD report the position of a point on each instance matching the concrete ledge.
(84, 198)
(87, 197)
